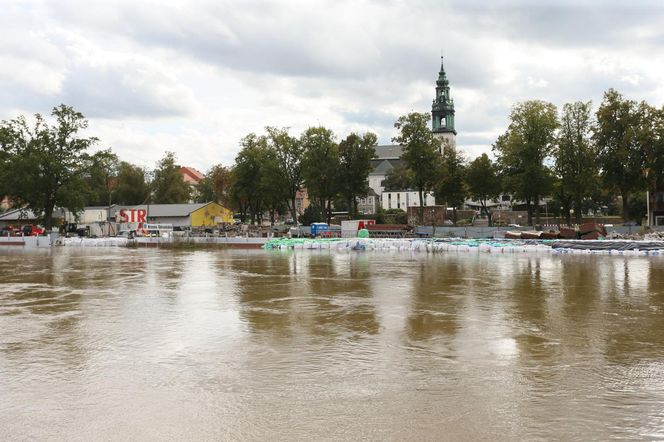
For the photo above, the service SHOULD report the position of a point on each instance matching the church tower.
(442, 110)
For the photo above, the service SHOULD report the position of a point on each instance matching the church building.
(389, 156)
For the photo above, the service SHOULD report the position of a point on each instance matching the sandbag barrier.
(92, 242)
(441, 245)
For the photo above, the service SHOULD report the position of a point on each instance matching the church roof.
(389, 151)
(381, 167)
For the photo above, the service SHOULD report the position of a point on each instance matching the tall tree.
(216, 186)
(575, 156)
(320, 167)
(101, 177)
(289, 152)
(483, 183)
(652, 137)
(44, 166)
(246, 189)
(168, 185)
(450, 186)
(355, 154)
(523, 149)
(204, 191)
(273, 187)
(132, 187)
(420, 153)
(622, 157)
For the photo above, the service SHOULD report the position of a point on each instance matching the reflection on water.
(149, 344)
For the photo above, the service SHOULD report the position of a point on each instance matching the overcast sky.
(195, 77)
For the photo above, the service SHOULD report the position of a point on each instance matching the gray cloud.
(228, 67)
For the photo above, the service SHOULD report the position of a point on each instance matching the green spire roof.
(442, 76)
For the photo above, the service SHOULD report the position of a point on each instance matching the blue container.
(318, 228)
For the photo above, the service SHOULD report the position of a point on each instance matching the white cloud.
(194, 77)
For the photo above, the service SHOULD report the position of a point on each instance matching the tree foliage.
(132, 188)
(575, 158)
(320, 167)
(355, 154)
(483, 182)
(522, 152)
(289, 153)
(168, 185)
(421, 153)
(101, 178)
(44, 167)
(216, 186)
(398, 178)
(450, 186)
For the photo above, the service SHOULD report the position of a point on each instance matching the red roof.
(191, 175)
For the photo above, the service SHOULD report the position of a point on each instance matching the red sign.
(132, 215)
(364, 223)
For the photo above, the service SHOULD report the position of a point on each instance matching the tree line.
(270, 169)
(578, 159)
(44, 166)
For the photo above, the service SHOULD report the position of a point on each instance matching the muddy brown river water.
(118, 344)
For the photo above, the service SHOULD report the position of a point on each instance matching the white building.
(404, 199)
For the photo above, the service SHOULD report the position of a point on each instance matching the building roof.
(165, 210)
(25, 214)
(389, 151)
(381, 167)
(191, 175)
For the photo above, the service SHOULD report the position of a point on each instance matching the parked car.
(30, 230)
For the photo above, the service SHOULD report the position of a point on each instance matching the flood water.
(120, 344)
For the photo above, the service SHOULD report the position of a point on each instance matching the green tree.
(132, 187)
(450, 186)
(289, 153)
(483, 183)
(320, 167)
(311, 214)
(216, 186)
(523, 149)
(355, 154)
(575, 158)
(204, 191)
(398, 178)
(168, 185)
(622, 158)
(101, 177)
(44, 167)
(651, 137)
(247, 192)
(274, 189)
(421, 153)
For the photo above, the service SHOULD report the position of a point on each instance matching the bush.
(396, 216)
(310, 215)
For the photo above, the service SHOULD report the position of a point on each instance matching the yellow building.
(210, 215)
(178, 215)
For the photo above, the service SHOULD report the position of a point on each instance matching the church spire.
(442, 109)
(442, 77)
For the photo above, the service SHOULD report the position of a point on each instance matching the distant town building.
(368, 205)
(183, 215)
(301, 201)
(190, 175)
(405, 199)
